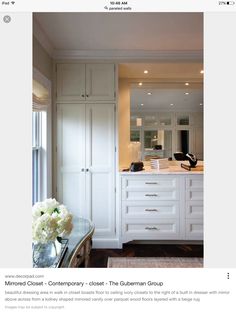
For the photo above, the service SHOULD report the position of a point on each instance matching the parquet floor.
(98, 257)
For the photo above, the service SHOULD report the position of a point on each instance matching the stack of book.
(159, 163)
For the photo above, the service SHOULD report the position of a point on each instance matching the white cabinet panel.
(85, 82)
(194, 229)
(150, 207)
(194, 188)
(102, 204)
(193, 182)
(100, 156)
(149, 182)
(71, 133)
(194, 209)
(194, 195)
(151, 230)
(144, 209)
(100, 135)
(70, 82)
(72, 193)
(150, 195)
(86, 164)
(100, 82)
(162, 207)
(70, 161)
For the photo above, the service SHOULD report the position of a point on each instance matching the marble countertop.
(174, 168)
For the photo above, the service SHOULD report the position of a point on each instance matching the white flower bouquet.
(51, 220)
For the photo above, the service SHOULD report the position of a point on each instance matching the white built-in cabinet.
(86, 163)
(161, 207)
(85, 82)
(194, 207)
(85, 147)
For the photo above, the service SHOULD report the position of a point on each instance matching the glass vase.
(45, 254)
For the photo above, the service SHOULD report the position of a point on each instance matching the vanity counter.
(173, 169)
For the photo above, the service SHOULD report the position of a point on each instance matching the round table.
(79, 243)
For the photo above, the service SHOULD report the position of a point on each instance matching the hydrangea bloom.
(50, 220)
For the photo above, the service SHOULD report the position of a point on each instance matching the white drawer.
(194, 229)
(149, 182)
(194, 195)
(154, 230)
(150, 195)
(194, 209)
(144, 209)
(194, 182)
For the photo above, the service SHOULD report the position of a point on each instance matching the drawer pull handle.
(151, 210)
(151, 182)
(151, 194)
(151, 228)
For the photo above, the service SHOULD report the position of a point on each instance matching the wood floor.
(98, 257)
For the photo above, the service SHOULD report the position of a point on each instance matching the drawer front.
(194, 209)
(194, 182)
(194, 229)
(149, 195)
(142, 209)
(161, 229)
(196, 195)
(149, 182)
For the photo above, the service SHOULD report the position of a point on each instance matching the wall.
(41, 59)
(124, 123)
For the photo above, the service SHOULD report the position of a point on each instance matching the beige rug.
(155, 262)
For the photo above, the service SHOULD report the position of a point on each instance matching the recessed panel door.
(100, 82)
(70, 82)
(71, 157)
(100, 163)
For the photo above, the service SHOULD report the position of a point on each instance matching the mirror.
(182, 141)
(166, 118)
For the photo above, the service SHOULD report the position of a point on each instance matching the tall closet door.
(100, 165)
(71, 157)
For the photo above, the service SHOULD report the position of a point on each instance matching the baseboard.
(115, 243)
(197, 242)
(106, 244)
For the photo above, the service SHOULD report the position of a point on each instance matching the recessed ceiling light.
(145, 71)
(140, 84)
(187, 84)
(141, 104)
(171, 104)
(202, 71)
(149, 93)
(186, 93)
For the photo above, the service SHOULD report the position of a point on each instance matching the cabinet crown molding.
(121, 55)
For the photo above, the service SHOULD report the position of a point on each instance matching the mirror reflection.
(166, 118)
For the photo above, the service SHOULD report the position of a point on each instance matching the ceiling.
(159, 70)
(123, 31)
(171, 36)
